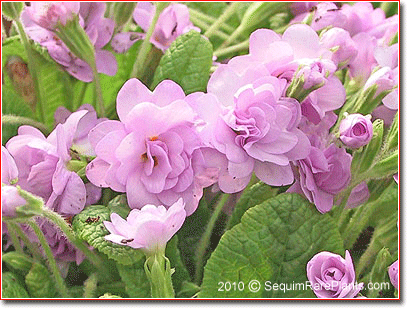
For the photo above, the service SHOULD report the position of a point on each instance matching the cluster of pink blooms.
(167, 146)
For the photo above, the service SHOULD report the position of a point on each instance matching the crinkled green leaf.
(186, 62)
(11, 287)
(136, 282)
(251, 197)
(89, 226)
(39, 282)
(274, 242)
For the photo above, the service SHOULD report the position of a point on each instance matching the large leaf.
(251, 197)
(89, 226)
(272, 245)
(39, 282)
(11, 287)
(186, 62)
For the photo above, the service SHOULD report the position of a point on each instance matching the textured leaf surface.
(273, 242)
(39, 282)
(17, 261)
(251, 197)
(11, 287)
(89, 227)
(187, 62)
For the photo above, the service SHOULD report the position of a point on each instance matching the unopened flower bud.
(356, 130)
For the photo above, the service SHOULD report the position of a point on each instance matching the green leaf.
(13, 104)
(89, 226)
(18, 261)
(188, 290)
(11, 287)
(379, 274)
(251, 197)
(181, 274)
(186, 62)
(274, 242)
(39, 282)
(136, 282)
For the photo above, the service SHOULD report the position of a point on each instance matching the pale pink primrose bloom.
(148, 229)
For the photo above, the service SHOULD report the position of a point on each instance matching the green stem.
(230, 10)
(146, 44)
(32, 69)
(203, 25)
(62, 224)
(208, 20)
(61, 287)
(31, 246)
(232, 49)
(158, 270)
(16, 242)
(204, 241)
(21, 120)
(98, 92)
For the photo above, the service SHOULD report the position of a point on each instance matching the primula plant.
(200, 150)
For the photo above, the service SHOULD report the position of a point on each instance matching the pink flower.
(148, 229)
(172, 22)
(49, 14)
(9, 172)
(98, 29)
(356, 130)
(252, 126)
(344, 48)
(331, 276)
(42, 164)
(322, 175)
(358, 196)
(153, 152)
(10, 200)
(394, 274)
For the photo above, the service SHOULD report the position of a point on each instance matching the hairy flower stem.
(61, 287)
(230, 10)
(138, 68)
(204, 241)
(197, 16)
(16, 242)
(59, 221)
(232, 49)
(21, 120)
(31, 246)
(98, 92)
(33, 70)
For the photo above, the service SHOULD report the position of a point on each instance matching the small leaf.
(11, 287)
(272, 244)
(186, 62)
(89, 226)
(39, 282)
